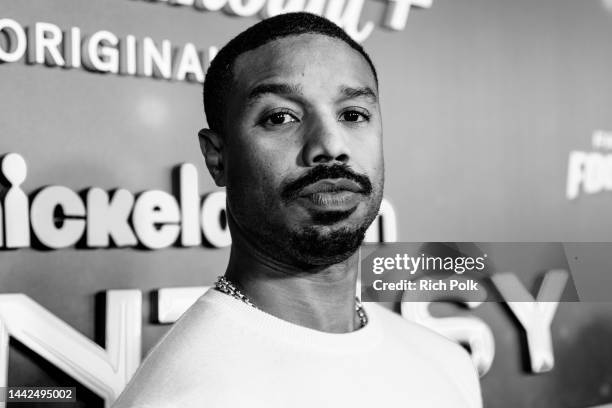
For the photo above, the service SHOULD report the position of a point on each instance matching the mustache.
(292, 189)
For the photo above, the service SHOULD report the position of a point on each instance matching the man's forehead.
(287, 59)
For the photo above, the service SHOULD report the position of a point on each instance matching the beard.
(329, 238)
(314, 246)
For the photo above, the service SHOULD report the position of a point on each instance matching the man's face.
(303, 149)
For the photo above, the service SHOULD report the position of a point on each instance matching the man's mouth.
(331, 194)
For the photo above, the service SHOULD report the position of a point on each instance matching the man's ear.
(211, 144)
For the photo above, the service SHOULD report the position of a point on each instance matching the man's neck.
(321, 299)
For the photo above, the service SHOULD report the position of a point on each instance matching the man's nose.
(325, 142)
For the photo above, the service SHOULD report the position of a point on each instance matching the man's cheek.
(241, 161)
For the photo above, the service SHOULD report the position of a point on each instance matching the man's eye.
(354, 116)
(278, 118)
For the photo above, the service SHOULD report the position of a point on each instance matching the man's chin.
(331, 218)
(325, 245)
(312, 238)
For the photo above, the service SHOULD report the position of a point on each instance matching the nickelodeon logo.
(57, 217)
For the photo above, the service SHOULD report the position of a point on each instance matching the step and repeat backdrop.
(497, 128)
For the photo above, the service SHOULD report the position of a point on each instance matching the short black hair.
(219, 78)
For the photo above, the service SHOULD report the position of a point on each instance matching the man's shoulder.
(414, 333)
(451, 361)
(180, 357)
(198, 327)
(419, 338)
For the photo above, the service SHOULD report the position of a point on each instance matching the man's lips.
(331, 186)
(326, 181)
(331, 195)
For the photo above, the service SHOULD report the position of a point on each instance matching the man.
(296, 138)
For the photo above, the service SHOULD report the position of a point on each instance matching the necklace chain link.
(226, 286)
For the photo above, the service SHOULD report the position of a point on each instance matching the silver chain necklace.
(224, 285)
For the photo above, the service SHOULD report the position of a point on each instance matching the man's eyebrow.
(348, 92)
(273, 88)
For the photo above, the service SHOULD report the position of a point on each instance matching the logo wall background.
(482, 100)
